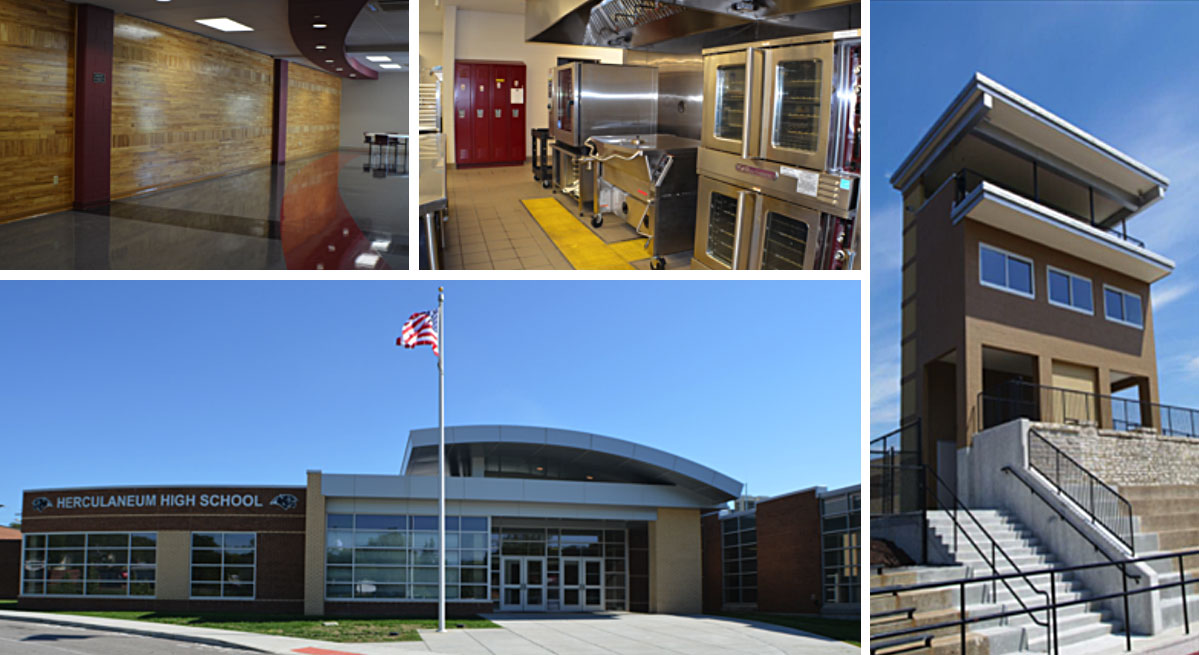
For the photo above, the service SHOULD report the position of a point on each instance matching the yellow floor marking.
(631, 250)
(578, 244)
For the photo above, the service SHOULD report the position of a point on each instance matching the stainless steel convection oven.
(781, 154)
(588, 100)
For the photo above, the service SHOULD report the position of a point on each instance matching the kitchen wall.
(500, 37)
(373, 106)
(37, 113)
(313, 112)
(184, 107)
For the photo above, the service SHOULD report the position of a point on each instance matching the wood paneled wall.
(37, 106)
(313, 111)
(184, 107)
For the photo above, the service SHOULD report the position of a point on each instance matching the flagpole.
(441, 460)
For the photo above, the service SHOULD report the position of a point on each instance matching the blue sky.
(1127, 72)
(138, 383)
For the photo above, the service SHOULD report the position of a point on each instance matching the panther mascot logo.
(41, 503)
(285, 502)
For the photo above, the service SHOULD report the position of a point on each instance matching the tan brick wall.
(314, 548)
(174, 562)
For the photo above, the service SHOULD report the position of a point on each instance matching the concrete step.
(1067, 637)
(1135, 493)
(1178, 539)
(910, 575)
(1171, 520)
(949, 645)
(903, 622)
(922, 600)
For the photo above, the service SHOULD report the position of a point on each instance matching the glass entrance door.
(582, 583)
(523, 584)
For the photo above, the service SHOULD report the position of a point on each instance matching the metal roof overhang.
(991, 109)
(678, 471)
(992, 205)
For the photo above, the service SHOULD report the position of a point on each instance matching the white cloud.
(1163, 296)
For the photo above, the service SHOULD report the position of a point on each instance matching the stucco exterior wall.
(675, 570)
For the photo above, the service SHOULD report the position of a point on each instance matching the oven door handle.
(737, 226)
(747, 114)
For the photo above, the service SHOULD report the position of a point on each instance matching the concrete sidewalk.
(609, 633)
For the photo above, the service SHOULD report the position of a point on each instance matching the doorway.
(582, 583)
(522, 584)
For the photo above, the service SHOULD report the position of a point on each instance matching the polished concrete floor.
(322, 212)
(489, 228)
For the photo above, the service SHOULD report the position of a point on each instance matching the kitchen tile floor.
(489, 228)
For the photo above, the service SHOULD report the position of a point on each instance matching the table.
(388, 142)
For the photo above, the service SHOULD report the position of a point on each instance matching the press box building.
(538, 519)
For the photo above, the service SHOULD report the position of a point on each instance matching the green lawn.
(357, 629)
(845, 630)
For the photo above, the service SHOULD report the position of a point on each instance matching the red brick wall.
(789, 554)
(10, 567)
(713, 577)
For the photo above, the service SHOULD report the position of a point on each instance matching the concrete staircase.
(1080, 627)
(1077, 624)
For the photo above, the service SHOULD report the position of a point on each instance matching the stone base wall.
(1127, 458)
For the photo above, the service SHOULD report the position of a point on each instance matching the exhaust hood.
(682, 25)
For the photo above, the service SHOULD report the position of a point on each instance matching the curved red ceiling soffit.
(338, 15)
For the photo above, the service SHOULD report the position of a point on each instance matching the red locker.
(462, 122)
(489, 112)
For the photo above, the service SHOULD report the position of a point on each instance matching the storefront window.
(840, 533)
(740, 557)
(223, 564)
(89, 564)
(394, 557)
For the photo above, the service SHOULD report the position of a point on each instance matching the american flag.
(420, 330)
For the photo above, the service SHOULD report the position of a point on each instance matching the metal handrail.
(995, 547)
(1053, 606)
(1090, 507)
(1168, 427)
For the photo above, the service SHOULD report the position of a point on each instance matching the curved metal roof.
(605, 457)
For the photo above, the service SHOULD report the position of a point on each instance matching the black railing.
(1102, 504)
(891, 489)
(1020, 399)
(880, 640)
(887, 464)
(967, 179)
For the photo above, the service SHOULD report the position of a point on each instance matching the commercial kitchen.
(626, 134)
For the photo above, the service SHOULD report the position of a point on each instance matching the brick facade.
(789, 554)
(713, 575)
(10, 567)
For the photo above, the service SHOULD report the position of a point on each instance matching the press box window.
(1122, 307)
(1003, 270)
(1070, 291)
(222, 564)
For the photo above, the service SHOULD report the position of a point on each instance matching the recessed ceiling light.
(390, 66)
(340, 69)
(318, 26)
(224, 24)
(353, 75)
(377, 58)
(320, 46)
(328, 61)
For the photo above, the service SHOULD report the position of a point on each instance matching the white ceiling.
(385, 32)
(431, 10)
